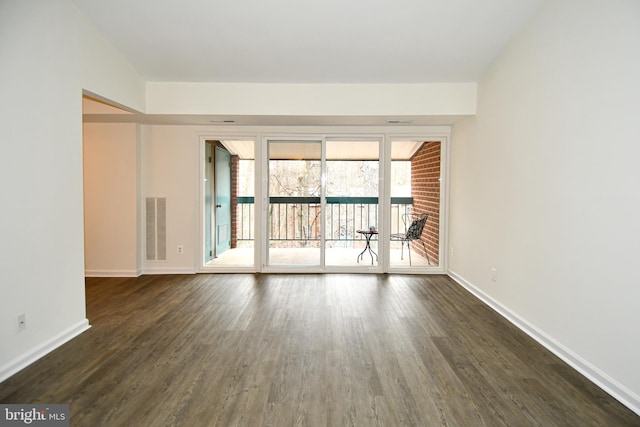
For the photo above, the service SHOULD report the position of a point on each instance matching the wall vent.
(156, 228)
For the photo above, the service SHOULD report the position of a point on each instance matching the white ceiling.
(302, 41)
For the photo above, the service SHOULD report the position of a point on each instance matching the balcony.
(294, 230)
(295, 226)
(297, 219)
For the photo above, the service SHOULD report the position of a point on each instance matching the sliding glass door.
(229, 203)
(325, 203)
(294, 212)
(352, 203)
(416, 200)
(323, 207)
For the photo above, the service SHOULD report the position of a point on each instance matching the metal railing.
(298, 218)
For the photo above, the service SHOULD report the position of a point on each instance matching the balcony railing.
(298, 218)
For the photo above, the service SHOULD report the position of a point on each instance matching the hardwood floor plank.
(394, 386)
(300, 349)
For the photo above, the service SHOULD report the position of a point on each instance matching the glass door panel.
(294, 216)
(239, 179)
(415, 204)
(352, 178)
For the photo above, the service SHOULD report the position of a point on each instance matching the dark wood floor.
(285, 350)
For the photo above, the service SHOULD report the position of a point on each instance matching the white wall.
(105, 72)
(41, 177)
(41, 256)
(111, 199)
(171, 169)
(545, 187)
(311, 99)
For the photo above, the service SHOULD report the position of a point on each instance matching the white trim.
(208, 269)
(169, 270)
(26, 359)
(445, 174)
(228, 132)
(605, 382)
(417, 270)
(323, 202)
(261, 134)
(112, 273)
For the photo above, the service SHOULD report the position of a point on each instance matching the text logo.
(34, 415)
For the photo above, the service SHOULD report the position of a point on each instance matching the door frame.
(208, 202)
(201, 258)
(322, 268)
(388, 133)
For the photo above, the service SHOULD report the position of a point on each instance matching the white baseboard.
(595, 375)
(168, 270)
(42, 350)
(138, 273)
(112, 273)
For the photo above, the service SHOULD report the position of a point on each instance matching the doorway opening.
(323, 203)
(229, 203)
(416, 177)
(326, 204)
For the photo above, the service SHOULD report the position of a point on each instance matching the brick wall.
(235, 166)
(425, 188)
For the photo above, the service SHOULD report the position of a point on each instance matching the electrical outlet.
(180, 249)
(451, 251)
(22, 322)
(494, 275)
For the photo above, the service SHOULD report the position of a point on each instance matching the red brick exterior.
(425, 188)
(235, 166)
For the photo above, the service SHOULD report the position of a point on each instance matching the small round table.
(367, 235)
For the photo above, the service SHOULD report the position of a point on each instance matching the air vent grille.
(156, 228)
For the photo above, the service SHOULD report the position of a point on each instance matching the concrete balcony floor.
(311, 257)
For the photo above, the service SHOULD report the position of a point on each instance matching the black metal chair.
(412, 233)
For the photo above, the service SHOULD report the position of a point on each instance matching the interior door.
(222, 169)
